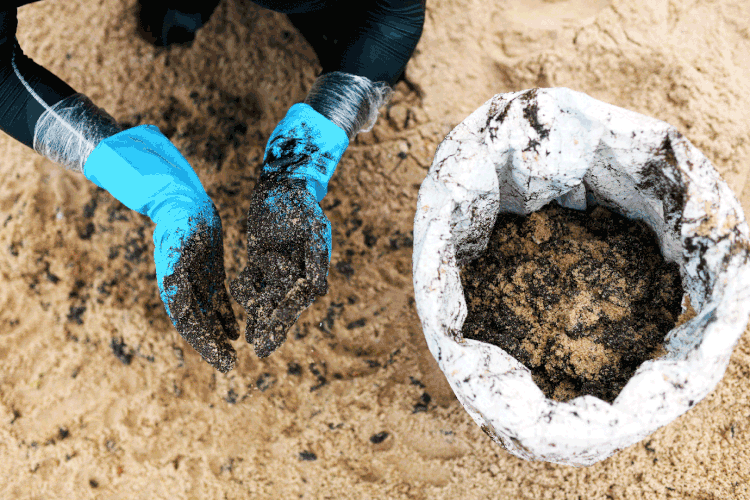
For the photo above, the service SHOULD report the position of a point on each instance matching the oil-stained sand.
(580, 298)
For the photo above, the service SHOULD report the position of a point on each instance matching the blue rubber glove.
(288, 236)
(142, 169)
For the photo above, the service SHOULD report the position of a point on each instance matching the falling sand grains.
(580, 298)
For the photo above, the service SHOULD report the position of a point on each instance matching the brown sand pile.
(580, 298)
(101, 398)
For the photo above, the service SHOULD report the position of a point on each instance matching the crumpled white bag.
(518, 152)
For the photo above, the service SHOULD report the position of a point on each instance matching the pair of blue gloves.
(289, 237)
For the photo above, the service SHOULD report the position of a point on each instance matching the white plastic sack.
(518, 152)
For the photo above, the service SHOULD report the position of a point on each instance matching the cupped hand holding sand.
(288, 236)
(287, 261)
(142, 169)
(190, 273)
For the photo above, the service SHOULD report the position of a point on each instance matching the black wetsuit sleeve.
(374, 38)
(380, 45)
(19, 110)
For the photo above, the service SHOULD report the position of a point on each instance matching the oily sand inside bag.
(580, 298)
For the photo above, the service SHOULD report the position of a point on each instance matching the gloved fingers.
(204, 261)
(242, 288)
(317, 261)
(273, 328)
(223, 308)
(204, 332)
(282, 273)
(262, 309)
(244, 291)
(253, 311)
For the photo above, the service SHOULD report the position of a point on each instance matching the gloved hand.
(142, 169)
(288, 236)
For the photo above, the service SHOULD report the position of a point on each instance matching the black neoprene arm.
(19, 109)
(371, 38)
(383, 40)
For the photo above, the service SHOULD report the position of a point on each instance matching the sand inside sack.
(580, 298)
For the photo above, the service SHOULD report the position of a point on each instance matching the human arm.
(144, 171)
(369, 55)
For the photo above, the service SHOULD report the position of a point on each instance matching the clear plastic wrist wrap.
(68, 132)
(350, 101)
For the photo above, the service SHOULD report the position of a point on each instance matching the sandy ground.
(101, 398)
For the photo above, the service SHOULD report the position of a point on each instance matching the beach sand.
(101, 398)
